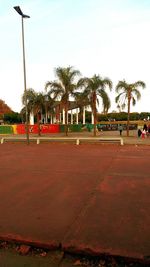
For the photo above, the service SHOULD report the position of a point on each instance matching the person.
(144, 133)
(139, 133)
(149, 130)
(120, 128)
(145, 127)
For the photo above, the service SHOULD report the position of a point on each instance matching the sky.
(106, 37)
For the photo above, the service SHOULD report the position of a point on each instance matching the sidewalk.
(131, 140)
(88, 198)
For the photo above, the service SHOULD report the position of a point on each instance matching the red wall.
(45, 128)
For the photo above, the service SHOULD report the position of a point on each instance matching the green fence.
(6, 129)
(76, 127)
(71, 128)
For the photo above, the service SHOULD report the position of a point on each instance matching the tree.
(81, 100)
(94, 87)
(127, 94)
(63, 88)
(106, 105)
(14, 117)
(36, 103)
(49, 105)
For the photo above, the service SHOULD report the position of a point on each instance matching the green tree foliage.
(144, 115)
(35, 104)
(12, 118)
(95, 87)
(134, 116)
(123, 116)
(63, 87)
(128, 94)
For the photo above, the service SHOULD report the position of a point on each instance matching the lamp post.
(19, 11)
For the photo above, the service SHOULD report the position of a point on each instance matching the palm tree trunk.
(128, 118)
(38, 123)
(94, 112)
(46, 113)
(83, 115)
(66, 119)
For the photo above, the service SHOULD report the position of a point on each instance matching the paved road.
(86, 198)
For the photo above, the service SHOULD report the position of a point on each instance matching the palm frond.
(133, 101)
(118, 97)
(122, 85)
(137, 93)
(108, 82)
(123, 106)
(82, 82)
(105, 100)
(140, 84)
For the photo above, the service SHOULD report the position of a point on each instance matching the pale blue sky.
(109, 37)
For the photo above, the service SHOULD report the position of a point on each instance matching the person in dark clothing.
(120, 128)
(145, 127)
(139, 133)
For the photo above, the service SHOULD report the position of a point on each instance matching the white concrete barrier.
(77, 140)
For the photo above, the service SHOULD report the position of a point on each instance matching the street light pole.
(18, 9)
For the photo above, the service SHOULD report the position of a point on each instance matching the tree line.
(86, 92)
(15, 117)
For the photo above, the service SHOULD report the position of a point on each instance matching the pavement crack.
(91, 197)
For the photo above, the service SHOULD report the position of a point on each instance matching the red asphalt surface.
(93, 198)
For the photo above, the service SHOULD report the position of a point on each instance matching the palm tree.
(106, 105)
(36, 103)
(23, 114)
(127, 94)
(81, 100)
(49, 105)
(63, 87)
(94, 87)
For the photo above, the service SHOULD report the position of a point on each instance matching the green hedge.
(89, 126)
(122, 116)
(6, 129)
(62, 128)
(75, 127)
